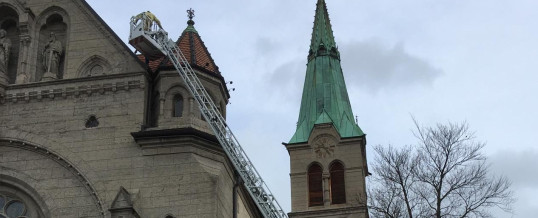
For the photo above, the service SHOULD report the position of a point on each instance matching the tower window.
(178, 105)
(337, 183)
(315, 185)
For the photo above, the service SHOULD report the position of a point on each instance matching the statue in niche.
(5, 45)
(51, 58)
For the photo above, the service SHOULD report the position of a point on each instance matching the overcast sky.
(439, 61)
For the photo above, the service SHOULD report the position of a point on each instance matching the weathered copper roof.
(325, 98)
(193, 48)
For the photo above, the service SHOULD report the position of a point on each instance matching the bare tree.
(394, 176)
(444, 175)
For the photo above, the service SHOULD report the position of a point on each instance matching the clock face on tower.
(324, 146)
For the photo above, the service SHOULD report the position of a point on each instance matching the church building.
(90, 129)
(328, 150)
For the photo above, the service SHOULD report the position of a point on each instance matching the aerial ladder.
(148, 37)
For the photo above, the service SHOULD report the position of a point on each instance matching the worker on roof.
(150, 19)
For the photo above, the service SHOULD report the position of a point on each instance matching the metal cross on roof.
(190, 13)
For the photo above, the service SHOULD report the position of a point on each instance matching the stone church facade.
(90, 129)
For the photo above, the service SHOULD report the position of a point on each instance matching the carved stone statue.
(51, 58)
(5, 46)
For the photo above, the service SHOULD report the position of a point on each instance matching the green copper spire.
(325, 98)
(322, 34)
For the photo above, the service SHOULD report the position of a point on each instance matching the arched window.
(178, 105)
(11, 207)
(315, 185)
(337, 183)
(18, 199)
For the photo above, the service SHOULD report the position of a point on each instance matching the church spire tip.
(322, 34)
(190, 14)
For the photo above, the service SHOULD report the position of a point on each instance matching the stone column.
(5, 46)
(161, 106)
(326, 190)
(23, 75)
(191, 107)
(3, 84)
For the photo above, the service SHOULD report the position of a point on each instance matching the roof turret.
(192, 47)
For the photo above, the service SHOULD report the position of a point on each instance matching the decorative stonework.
(122, 206)
(324, 146)
(51, 57)
(5, 50)
(52, 41)
(25, 39)
(94, 66)
(100, 89)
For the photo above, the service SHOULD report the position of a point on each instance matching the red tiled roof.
(196, 52)
(193, 48)
(153, 64)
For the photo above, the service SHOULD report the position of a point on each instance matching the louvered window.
(337, 183)
(315, 185)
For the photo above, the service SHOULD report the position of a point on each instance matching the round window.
(11, 207)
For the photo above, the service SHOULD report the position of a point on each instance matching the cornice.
(61, 89)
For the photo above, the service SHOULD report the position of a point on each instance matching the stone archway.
(51, 175)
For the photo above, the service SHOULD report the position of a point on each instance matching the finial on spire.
(190, 13)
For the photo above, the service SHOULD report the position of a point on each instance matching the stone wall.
(78, 143)
(324, 147)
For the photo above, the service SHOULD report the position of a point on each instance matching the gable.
(91, 37)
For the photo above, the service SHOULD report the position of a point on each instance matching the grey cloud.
(520, 166)
(286, 81)
(373, 66)
(266, 47)
(367, 65)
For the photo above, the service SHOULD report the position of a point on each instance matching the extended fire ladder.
(154, 42)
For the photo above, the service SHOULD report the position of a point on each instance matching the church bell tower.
(327, 151)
